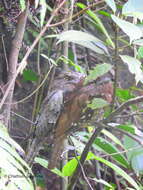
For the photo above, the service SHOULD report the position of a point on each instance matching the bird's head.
(68, 81)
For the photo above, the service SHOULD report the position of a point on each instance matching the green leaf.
(114, 187)
(137, 163)
(29, 75)
(132, 144)
(12, 166)
(43, 9)
(103, 182)
(118, 170)
(97, 103)
(134, 66)
(83, 39)
(140, 52)
(124, 94)
(129, 128)
(71, 55)
(111, 4)
(138, 42)
(98, 71)
(71, 63)
(22, 5)
(70, 167)
(135, 154)
(51, 61)
(7, 141)
(112, 137)
(99, 22)
(44, 163)
(133, 8)
(132, 147)
(111, 149)
(40, 180)
(41, 161)
(104, 13)
(130, 29)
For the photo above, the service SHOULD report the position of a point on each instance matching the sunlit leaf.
(124, 94)
(22, 5)
(12, 166)
(98, 71)
(97, 103)
(104, 183)
(70, 167)
(135, 154)
(133, 8)
(44, 163)
(111, 149)
(111, 4)
(118, 170)
(132, 147)
(137, 162)
(42, 11)
(134, 66)
(129, 128)
(52, 61)
(112, 137)
(36, 3)
(138, 42)
(102, 12)
(83, 39)
(140, 52)
(71, 63)
(130, 29)
(99, 22)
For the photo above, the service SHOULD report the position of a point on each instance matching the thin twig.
(122, 152)
(128, 134)
(122, 107)
(22, 117)
(85, 177)
(98, 174)
(115, 68)
(129, 115)
(32, 93)
(5, 54)
(64, 181)
(76, 174)
(77, 14)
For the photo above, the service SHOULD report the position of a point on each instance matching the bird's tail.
(56, 152)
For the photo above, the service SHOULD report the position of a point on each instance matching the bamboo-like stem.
(13, 62)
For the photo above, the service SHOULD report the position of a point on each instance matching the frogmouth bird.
(61, 91)
(61, 109)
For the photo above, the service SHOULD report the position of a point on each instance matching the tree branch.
(13, 61)
(122, 107)
(84, 154)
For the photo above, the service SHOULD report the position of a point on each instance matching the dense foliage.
(101, 39)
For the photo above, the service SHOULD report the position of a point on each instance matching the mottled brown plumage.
(61, 109)
(72, 113)
(61, 91)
